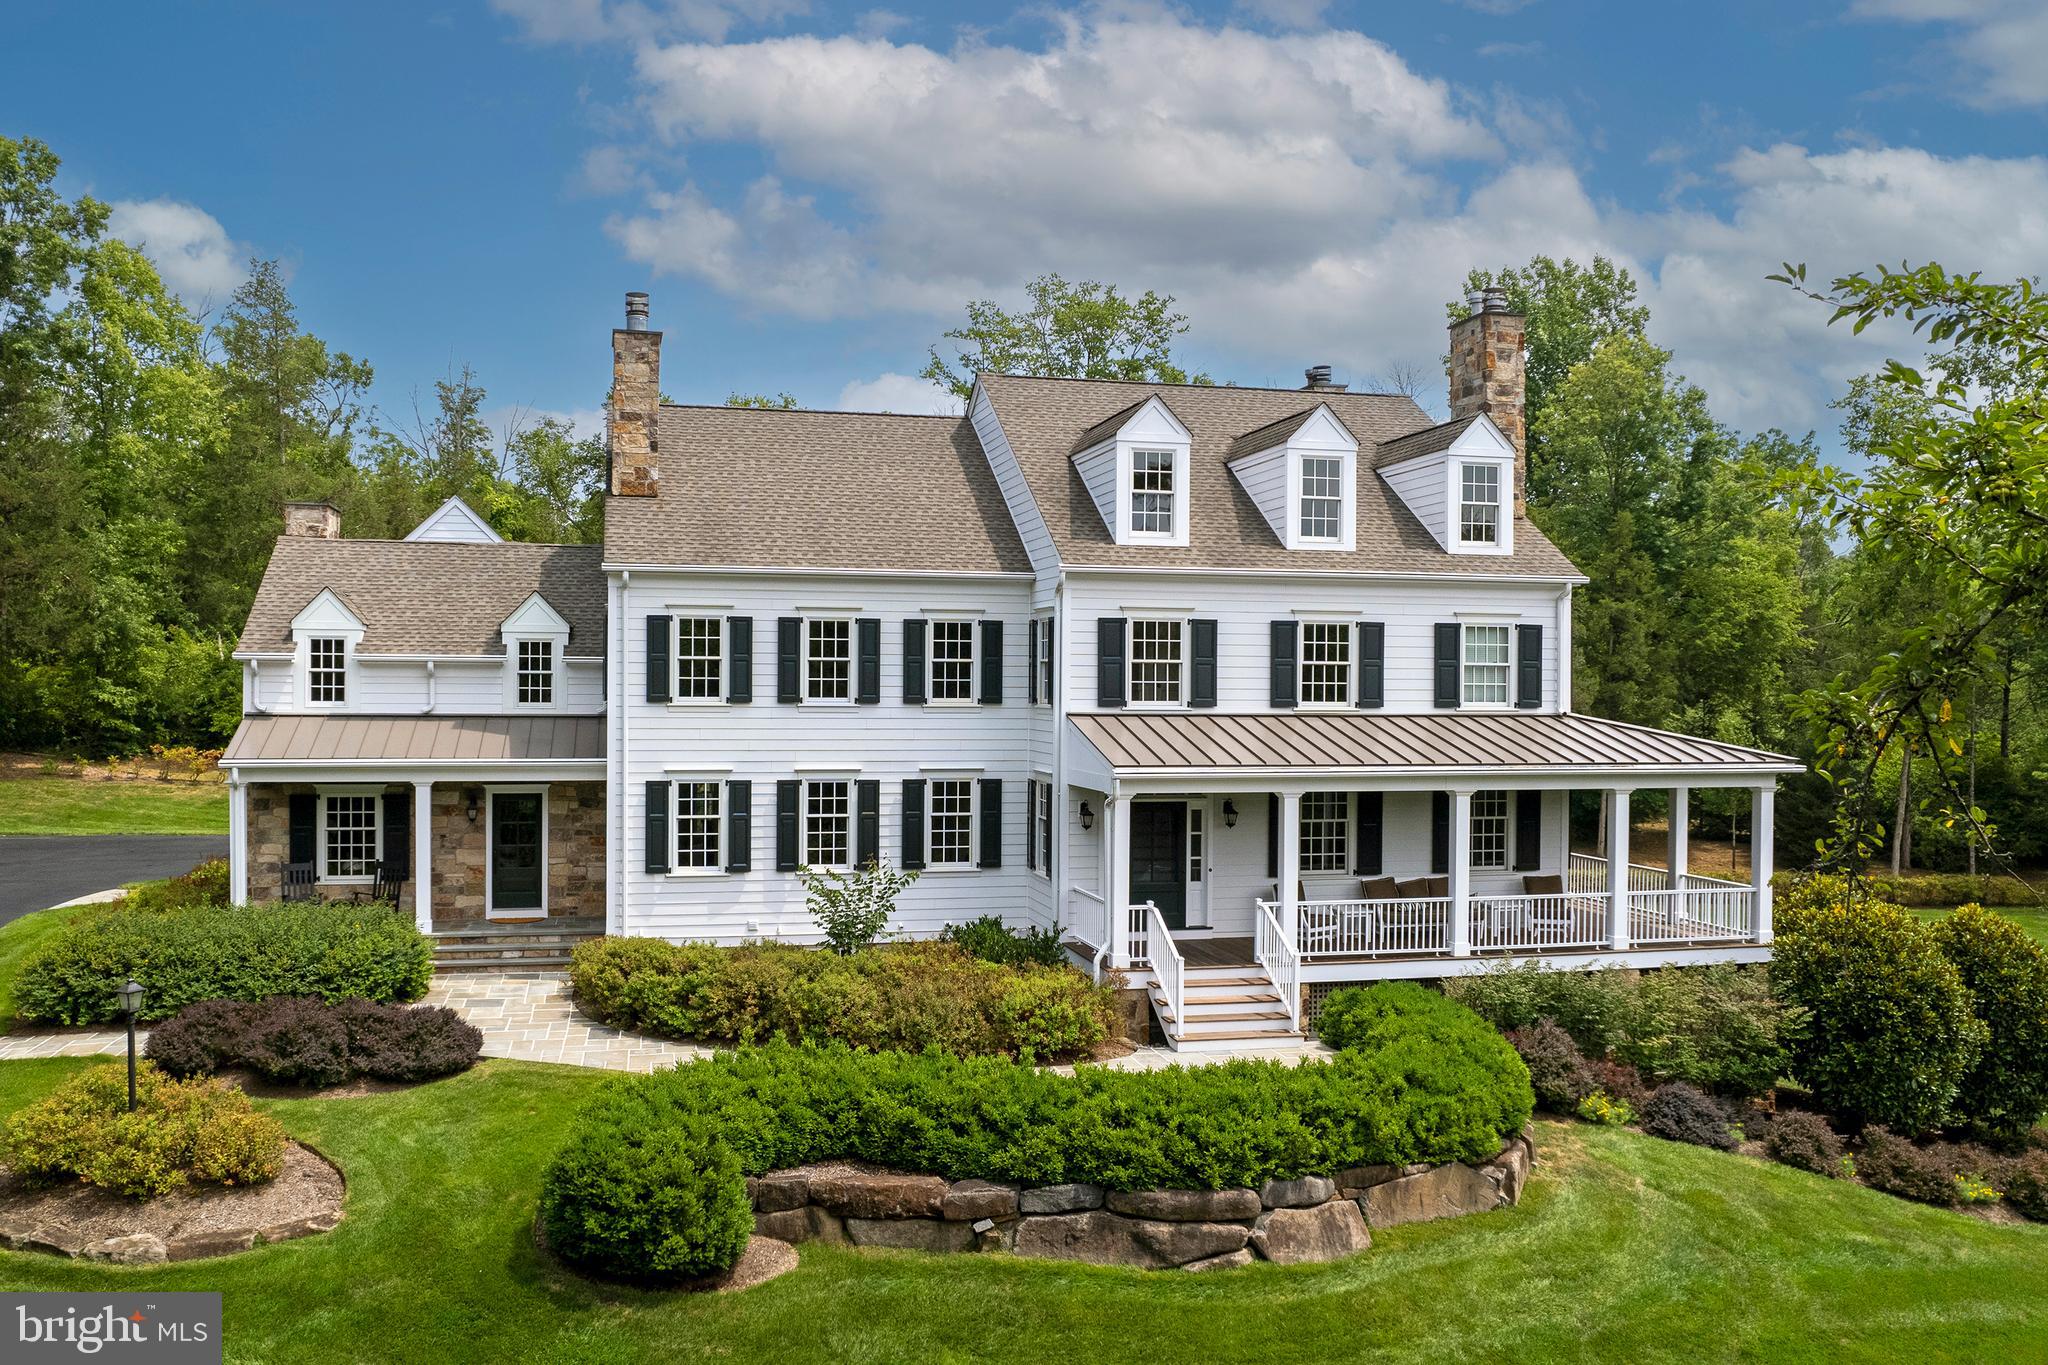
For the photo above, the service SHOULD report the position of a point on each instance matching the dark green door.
(1159, 858)
(515, 851)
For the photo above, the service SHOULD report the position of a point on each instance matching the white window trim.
(1349, 624)
(852, 657)
(1347, 499)
(712, 777)
(1180, 624)
(973, 781)
(1507, 833)
(1042, 662)
(931, 660)
(376, 795)
(1346, 817)
(491, 793)
(558, 645)
(675, 660)
(349, 680)
(839, 777)
(1127, 494)
(1465, 623)
(1454, 500)
(1042, 848)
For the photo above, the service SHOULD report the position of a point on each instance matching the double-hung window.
(327, 671)
(949, 818)
(351, 832)
(700, 822)
(1325, 663)
(1486, 666)
(1325, 831)
(1479, 504)
(1152, 492)
(828, 659)
(1489, 830)
(1041, 824)
(700, 658)
(535, 679)
(1322, 497)
(828, 823)
(1042, 665)
(1155, 663)
(952, 661)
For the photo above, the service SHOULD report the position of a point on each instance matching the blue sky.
(811, 190)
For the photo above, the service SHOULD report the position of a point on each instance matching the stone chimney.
(1319, 380)
(633, 447)
(1486, 374)
(318, 520)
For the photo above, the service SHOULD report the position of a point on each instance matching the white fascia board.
(817, 571)
(1281, 575)
(326, 614)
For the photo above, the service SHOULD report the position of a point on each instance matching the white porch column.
(1761, 801)
(1290, 866)
(1617, 867)
(238, 840)
(1116, 892)
(1461, 873)
(423, 855)
(1681, 836)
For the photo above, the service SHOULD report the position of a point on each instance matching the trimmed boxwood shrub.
(299, 1041)
(910, 996)
(1890, 1034)
(989, 939)
(1801, 1138)
(1432, 1086)
(186, 954)
(2007, 976)
(180, 1130)
(1682, 1114)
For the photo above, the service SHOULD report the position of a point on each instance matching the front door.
(1159, 859)
(516, 854)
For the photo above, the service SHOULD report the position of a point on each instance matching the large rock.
(1060, 1199)
(1301, 1236)
(1510, 1170)
(1359, 1179)
(1101, 1238)
(968, 1200)
(1304, 1193)
(807, 1224)
(879, 1194)
(1438, 1192)
(779, 1190)
(911, 1234)
(1229, 1260)
(137, 1248)
(1185, 1206)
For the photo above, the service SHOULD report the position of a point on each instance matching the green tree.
(1076, 331)
(781, 402)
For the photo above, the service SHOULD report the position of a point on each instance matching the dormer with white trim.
(1136, 466)
(456, 520)
(1459, 481)
(1302, 472)
(536, 637)
(325, 634)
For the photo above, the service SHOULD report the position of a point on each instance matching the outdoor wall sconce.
(1087, 816)
(1229, 813)
(475, 801)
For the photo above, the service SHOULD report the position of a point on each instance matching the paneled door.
(1159, 858)
(518, 855)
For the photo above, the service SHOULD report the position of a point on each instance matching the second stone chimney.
(1486, 374)
(631, 442)
(315, 520)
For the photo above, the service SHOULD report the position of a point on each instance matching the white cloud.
(188, 246)
(1285, 13)
(904, 393)
(1999, 47)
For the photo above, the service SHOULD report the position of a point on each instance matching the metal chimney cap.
(1475, 299)
(1318, 376)
(636, 310)
(1495, 300)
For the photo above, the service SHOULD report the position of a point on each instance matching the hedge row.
(186, 953)
(650, 1183)
(1925, 889)
(297, 1041)
(908, 996)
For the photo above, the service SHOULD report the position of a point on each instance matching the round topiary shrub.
(2007, 976)
(1890, 1033)
(1799, 1138)
(1682, 1114)
(646, 1193)
(407, 1043)
(1558, 1072)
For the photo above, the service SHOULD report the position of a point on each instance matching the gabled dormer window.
(1301, 472)
(1322, 497)
(1152, 492)
(536, 637)
(1135, 465)
(1479, 504)
(327, 635)
(327, 671)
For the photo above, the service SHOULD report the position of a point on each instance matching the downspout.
(431, 701)
(1058, 870)
(617, 784)
(252, 677)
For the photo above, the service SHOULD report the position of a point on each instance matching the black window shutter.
(1371, 821)
(913, 661)
(1272, 834)
(739, 826)
(788, 793)
(789, 659)
(1031, 823)
(739, 661)
(1110, 634)
(992, 663)
(1286, 639)
(1202, 679)
(1045, 794)
(1448, 637)
(991, 822)
(658, 672)
(1529, 667)
(398, 831)
(1372, 663)
(1031, 659)
(867, 821)
(869, 632)
(1439, 832)
(657, 827)
(913, 822)
(1528, 831)
(304, 814)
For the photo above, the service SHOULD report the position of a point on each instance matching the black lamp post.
(131, 1002)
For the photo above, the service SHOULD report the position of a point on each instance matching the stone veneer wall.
(1291, 1222)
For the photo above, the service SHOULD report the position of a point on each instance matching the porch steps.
(517, 946)
(1226, 1008)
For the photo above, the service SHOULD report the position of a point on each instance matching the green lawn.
(2035, 922)
(70, 805)
(17, 938)
(1625, 1248)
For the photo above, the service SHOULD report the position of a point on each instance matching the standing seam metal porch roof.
(1311, 741)
(416, 739)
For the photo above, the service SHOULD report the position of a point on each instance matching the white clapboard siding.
(460, 687)
(1264, 479)
(1422, 485)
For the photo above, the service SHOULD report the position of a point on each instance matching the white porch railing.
(1695, 882)
(1138, 934)
(1167, 966)
(1689, 916)
(1586, 874)
(1362, 928)
(1533, 923)
(1281, 959)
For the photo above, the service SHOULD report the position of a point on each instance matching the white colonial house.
(1242, 691)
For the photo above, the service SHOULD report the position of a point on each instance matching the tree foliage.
(1076, 331)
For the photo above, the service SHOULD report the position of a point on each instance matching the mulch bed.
(189, 1223)
(763, 1259)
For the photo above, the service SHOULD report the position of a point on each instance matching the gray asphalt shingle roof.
(1428, 441)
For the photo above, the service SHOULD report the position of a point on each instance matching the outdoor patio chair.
(389, 880)
(295, 882)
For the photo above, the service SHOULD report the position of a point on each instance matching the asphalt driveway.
(39, 870)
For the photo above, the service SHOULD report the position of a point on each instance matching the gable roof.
(1428, 441)
(428, 597)
(455, 520)
(767, 488)
(1274, 433)
(1107, 427)
(1040, 418)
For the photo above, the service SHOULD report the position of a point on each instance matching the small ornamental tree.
(2007, 975)
(853, 908)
